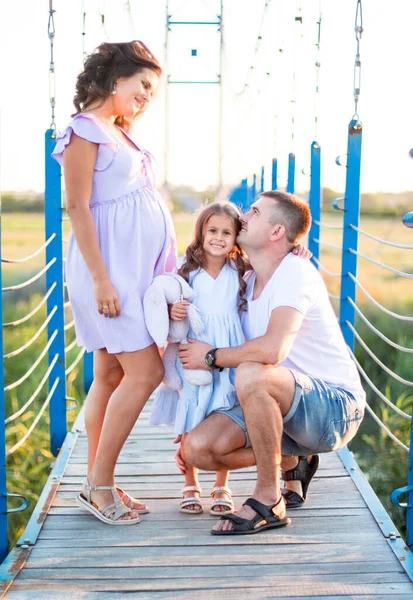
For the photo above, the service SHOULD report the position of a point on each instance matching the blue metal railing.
(349, 207)
(55, 400)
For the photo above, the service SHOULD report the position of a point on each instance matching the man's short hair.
(290, 211)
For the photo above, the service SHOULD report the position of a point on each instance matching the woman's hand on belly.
(107, 298)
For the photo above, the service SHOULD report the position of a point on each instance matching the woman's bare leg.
(143, 372)
(107, 375)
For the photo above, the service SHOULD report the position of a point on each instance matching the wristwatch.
(210, 360)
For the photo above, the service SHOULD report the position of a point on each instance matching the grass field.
(22, 234)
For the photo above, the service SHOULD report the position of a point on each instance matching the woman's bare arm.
(79, 161)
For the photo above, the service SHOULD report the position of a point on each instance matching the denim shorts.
(322, 418)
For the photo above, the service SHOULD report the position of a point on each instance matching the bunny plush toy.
(165, 290)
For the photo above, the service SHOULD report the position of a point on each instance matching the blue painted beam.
(53, 225)
(291, 174)
(315, 201)
(350, 235)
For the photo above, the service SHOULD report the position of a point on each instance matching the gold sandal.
(110, 514)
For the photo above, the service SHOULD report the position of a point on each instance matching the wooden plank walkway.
(333, 548)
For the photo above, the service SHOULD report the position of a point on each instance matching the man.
(299, 390)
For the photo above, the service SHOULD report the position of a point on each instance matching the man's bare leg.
(266, 394)
(217, 444)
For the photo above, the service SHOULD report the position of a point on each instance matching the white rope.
(70, 347)
(34, 311)
(37, 419)
(377, 391)
(69, 325)
(320, 266)
(22, 260)
(377, 239)
(376, 262)
(383, 426)
(34, 365)
(32, 280)
(376, 331)
(377, 360)
(327, 225)
(74, 363)
(317, 241)
(334, 296)
(34, 395)
(373, 301)
(33, 339)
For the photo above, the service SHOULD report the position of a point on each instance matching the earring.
(113, 92)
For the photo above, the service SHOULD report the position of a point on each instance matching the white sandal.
(227, 504)
(141, 511)
(192, 500)
(110, 514)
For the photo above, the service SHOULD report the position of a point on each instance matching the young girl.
(214, 266)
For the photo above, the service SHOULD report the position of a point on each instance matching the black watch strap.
(210, 360)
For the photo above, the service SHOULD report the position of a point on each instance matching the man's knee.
(250, 379)
(198, 451)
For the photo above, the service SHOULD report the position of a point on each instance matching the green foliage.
(29, 466)
(382, 460)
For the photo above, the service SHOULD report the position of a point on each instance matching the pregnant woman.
(122, 236)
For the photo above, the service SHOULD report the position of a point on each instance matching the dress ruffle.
(84, 125)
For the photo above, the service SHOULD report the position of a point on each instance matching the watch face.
(210, 358)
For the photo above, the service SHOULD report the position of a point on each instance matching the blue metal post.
(53, 216)
(244, 190)
(3, 484)
(291, 174)
(315, 200)
(274, 174)
(350, 235)
(262, 181)
(87, 370)
(253, 189)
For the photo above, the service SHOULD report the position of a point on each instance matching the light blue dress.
(218, 301)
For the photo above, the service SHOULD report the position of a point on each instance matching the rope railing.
(36, 363)
(327, 244)
(383, 266)
(33, 397)
(377, 360)
(377, 332)
(324, 270)
(32, 339)
(75, 362)
(20, 443)
(33, 312)
(380, 240)
(70, 346)
(328, 225)
(386, 429)
(69, 326)
(24, 284)
(377, 304)
(36, 253)
(377, 391)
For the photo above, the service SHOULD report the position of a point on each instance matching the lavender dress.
(136, 239)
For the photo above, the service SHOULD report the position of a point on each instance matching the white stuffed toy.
(165, 290)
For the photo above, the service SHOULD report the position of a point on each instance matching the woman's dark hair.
(195, 256)
(105, 66)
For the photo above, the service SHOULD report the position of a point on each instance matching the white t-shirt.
(319, 349)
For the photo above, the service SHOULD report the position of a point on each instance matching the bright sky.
(257, 123)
